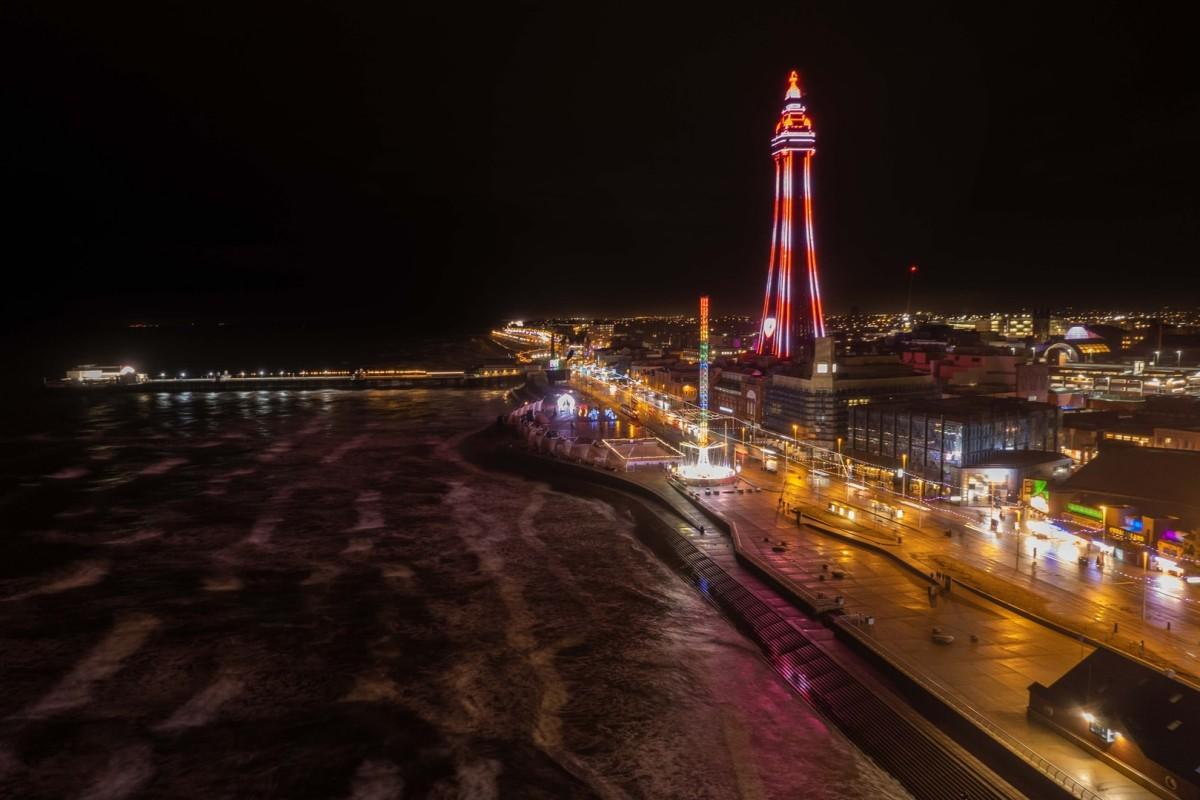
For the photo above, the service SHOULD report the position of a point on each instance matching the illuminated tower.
(792, 149)
(702, 438)
(700, 468)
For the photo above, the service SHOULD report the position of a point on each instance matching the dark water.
(314, 595)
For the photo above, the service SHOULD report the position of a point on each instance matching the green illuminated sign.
(1085, 511)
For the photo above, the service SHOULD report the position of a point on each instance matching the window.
(1174, 724)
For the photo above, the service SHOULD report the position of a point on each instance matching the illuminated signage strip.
(1085, 511)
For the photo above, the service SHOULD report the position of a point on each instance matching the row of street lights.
(903, 474)
(788, 446)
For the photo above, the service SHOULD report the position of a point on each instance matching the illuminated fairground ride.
(704, 464)
(792, 148)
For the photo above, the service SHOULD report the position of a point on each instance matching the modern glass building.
(814, 405)
(935, 439)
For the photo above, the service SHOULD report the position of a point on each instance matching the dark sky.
(296, 159)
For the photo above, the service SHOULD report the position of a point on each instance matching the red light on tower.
(912, 269)
(794, 136)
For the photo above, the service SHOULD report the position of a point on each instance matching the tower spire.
(793, 92)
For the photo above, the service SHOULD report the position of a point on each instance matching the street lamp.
(1103, 529)
(1145, 578)
(787, 447)
(904, 474)
(1156, 355)
(842, 467)
(1178, 357)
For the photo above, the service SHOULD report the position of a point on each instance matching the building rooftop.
(1141, 473)
(966, 405)
(1090, 420)
(1020, 458)
(1160, 714)
(649, 449)
(867, 367)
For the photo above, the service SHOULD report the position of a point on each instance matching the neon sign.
(1085, 511)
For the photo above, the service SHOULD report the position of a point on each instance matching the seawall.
(936, 753)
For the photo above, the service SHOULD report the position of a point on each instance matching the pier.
(486, 377)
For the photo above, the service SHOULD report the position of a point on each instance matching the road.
(987, 669)
(1106, 604)
(995, 655)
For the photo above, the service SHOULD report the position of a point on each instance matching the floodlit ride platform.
(702, 471)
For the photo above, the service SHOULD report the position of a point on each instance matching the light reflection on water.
(316, 584)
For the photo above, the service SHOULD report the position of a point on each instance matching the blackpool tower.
(792, 149)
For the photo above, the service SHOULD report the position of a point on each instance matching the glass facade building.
(937, 438)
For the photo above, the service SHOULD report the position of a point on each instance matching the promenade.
(1147, 614)
(1105, 605)
(988, 667)
(996, 653)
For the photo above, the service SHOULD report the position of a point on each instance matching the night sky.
(190, 160)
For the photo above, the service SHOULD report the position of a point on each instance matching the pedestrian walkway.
(995, 653)
(1102, 606)
(988, 667)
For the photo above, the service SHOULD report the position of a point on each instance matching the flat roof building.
(936, 441)
(1141, 497)
(1134, 717)
(816, 402)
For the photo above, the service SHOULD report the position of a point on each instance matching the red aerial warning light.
(912, 269)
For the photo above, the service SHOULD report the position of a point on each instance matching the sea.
(317, 594)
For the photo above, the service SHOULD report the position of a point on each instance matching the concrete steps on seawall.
(827, 674)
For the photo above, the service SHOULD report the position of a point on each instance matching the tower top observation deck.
(794, 131)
